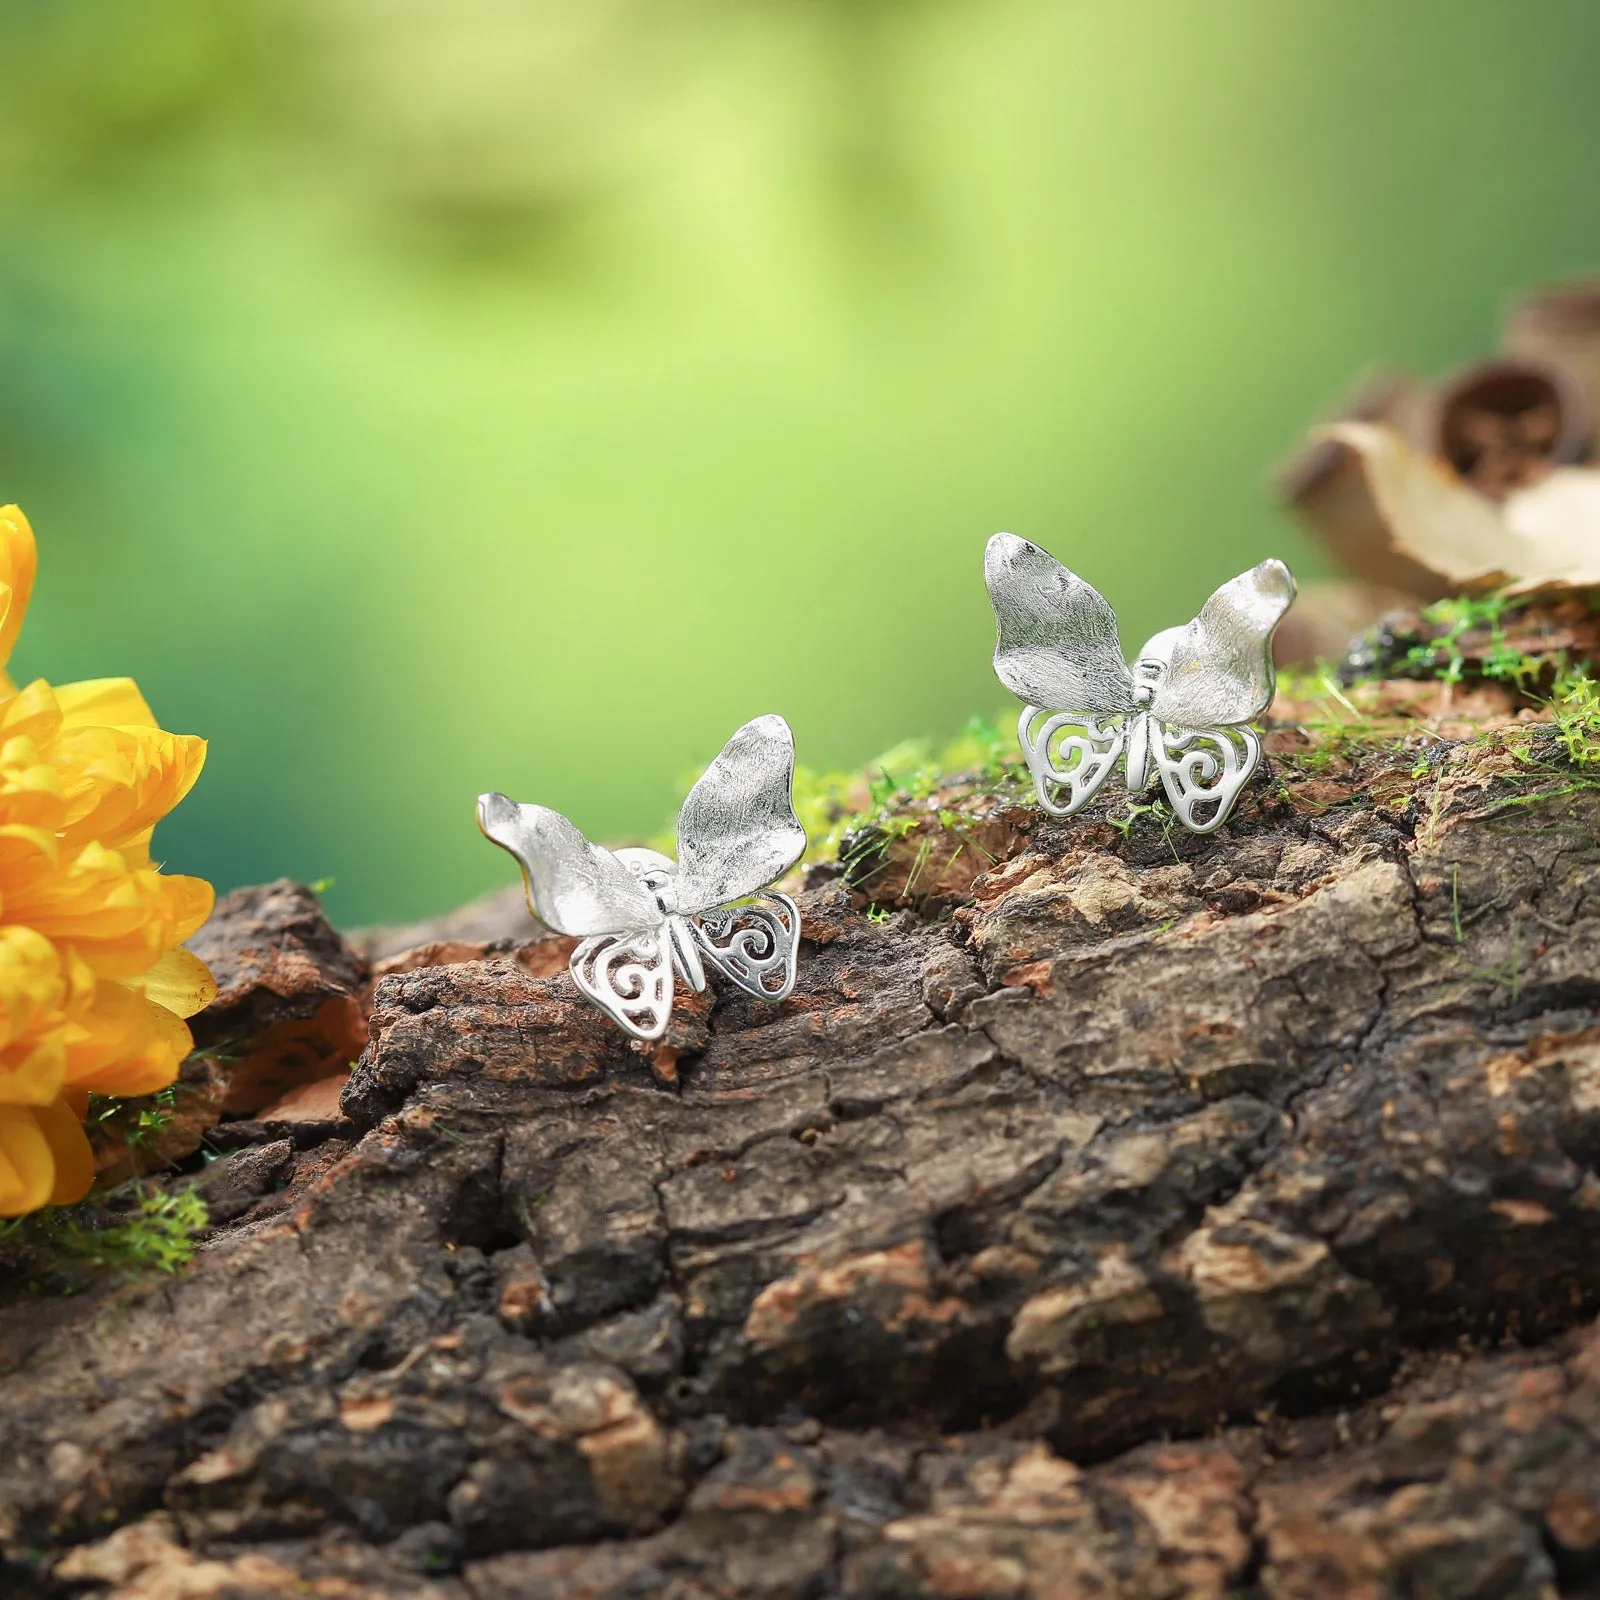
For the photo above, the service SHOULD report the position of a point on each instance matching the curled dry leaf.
(1543, 536)
(1487, 477)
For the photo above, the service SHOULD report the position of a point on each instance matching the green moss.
(1575, 710)
(1157, 810)
(1457, 639)
(136, 1121)
(1552, 758)
(1443, 658)
(63, 1247)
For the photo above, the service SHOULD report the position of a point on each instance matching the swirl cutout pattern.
(752, 943)
(1205, 767)
(1069, 753)
(629, 976)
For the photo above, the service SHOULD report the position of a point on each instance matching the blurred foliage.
(520, 394)
(486, 119)
(93, 87)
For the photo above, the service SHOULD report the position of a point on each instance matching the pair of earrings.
(1179, 713)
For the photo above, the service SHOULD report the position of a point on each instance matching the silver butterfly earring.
(1179, 713)
(640, 915)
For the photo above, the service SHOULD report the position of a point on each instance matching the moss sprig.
(1575, 710)
(64, 1248)
(139, 1120)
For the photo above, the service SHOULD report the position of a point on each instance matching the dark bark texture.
(1127, 1214)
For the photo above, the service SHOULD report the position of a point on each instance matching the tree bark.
(1132, 1213)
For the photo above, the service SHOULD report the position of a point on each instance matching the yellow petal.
(94, 983)
(24, 849)
(74, 1160)
(27, 1162)
(189, 902)
(35, 993)
(180, 981)
(104, 703)
(126, 1044)
(19, 560)
(31, 713)
(32, 1074)
(120, 782)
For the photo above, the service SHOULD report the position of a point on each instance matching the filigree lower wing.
(752, 943)
(1069, 754)
(629, 976)
(1204, 770)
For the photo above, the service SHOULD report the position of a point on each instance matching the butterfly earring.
(1178, 713)
(640, 915)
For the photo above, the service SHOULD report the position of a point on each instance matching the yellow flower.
(94, 982)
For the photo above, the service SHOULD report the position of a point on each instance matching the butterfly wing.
(1070, 755)
(1057, 643)
(573, 886)
(1204, 771)
(737, 831)
(629, 976)
(753, 944)
(1219, 668)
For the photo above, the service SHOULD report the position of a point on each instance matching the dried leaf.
(1538, 537)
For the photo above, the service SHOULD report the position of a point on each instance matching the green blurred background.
(428, 396)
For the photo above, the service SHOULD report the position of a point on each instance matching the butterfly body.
(642, 918)
(1178, 714)
(1138, 757)
(658, 874)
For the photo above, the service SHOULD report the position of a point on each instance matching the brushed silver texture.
(641, 916)
(1177, 714)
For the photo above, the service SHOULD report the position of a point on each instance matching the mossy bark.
(1136, 1214)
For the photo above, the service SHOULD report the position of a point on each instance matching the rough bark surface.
(1141, 1215)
